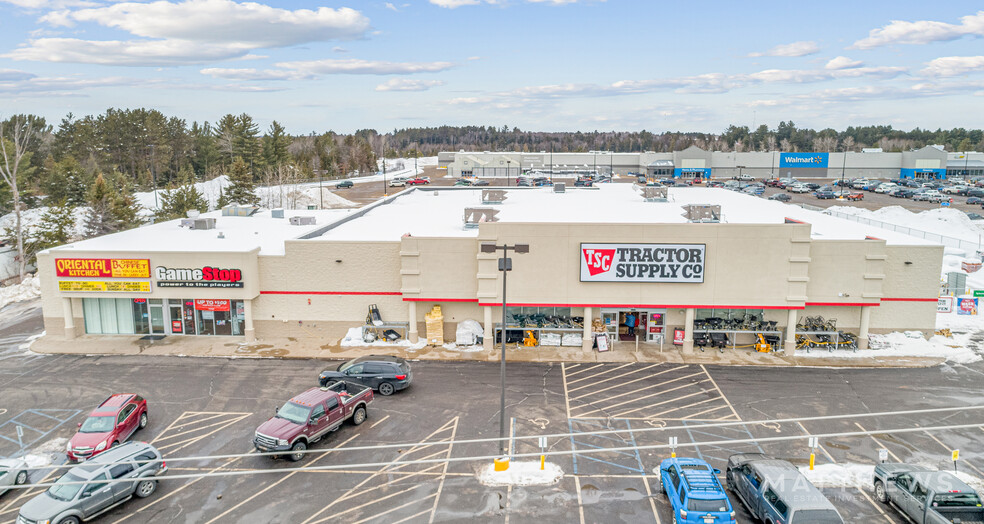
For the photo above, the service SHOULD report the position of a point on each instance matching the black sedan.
(383, 373)
(975, 200)
(824, 195)
(345, 184)
(782, 197)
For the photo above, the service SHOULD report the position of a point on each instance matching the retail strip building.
(595, 253)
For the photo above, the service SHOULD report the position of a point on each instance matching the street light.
(508, 169)
(153, 174)
(505, 265)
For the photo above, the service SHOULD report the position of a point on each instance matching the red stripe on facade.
(909, 299)
(415, 299)
(844, 304)
(638, 306)
(371, 293)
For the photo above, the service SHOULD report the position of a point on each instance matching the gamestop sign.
(207, 276)
(642, 263)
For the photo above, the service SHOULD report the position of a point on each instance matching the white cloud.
(355, 66)
(49, 4)
(339, 49)
(794, 49)
(13, 75)
(391, 7)
(802, 76)
(250, 74)
(407, 84)
(125, 53)
(474, 58)
(452, 4)
(953, 65)
(842, 62)
(922, 32)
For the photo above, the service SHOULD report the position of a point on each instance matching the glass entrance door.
(175, 324)
(156, 316)
(610, 319)
(655, 326)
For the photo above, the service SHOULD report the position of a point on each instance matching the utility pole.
(153, 176)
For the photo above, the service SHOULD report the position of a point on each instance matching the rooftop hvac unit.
(302, 221)
(203, 223)
(476, 215)
(491, 196)
(277, 213)
(654, 193)
(560, 187)
(702, 213)
(238, 210)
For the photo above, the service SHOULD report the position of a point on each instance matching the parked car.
(383, 373)
(480, 183)
(775, 491)
(641, 179)
(824, 195)
(782, 197)
(814, 187)
(772, 182)
(798, 188)
(930, 196)
(927, 496)
(745, 177)
(975, 200)
(872, 185)
(859, 183)
(857, 195)
(400, 182)
(696, 496)
(417, 181)
(885, 187)
(582, 183)
(85, 491)
(976, 192)
(542, 181)
(975, 216)
(308, 417)
(13, 472)
(345, 184)
(109, 425)
(956, 190)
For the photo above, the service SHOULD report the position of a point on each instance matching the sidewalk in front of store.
(236, 347)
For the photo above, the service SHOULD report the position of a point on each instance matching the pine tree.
(99, 218)
(125, 210)
(55, 227)
(176, 202)
(240, 189)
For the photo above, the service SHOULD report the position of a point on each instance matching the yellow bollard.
(813, 458)
(501, 464)
(673, 454)
(543, 460)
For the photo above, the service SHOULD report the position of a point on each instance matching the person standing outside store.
(630, 322)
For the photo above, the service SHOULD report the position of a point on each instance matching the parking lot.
(208, 407)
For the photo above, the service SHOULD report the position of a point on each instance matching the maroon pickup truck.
(306, 418)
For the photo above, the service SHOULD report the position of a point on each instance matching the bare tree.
(22, 133)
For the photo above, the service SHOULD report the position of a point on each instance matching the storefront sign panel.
(680, 263)
(102, 267)
(207, 277)
(208, 304)
(101, 286)
(944, 305)
(966, 306)
(803, 159)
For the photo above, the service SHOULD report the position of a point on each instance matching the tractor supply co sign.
(102, 267)
(681, 263)
(201, 277)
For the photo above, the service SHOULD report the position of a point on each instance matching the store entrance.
(624, 325)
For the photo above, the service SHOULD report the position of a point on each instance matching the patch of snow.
(943, 221)
(451, 346)
(211, 190)
(521, 474)
(28, 289)
(46, 454)
(906, 344)
(353, 338)
(31, 219)
(26, 346)
(858, 476)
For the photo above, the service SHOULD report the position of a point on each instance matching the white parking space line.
(733, 412)
(580, 503)
(872, 437)
(378, 422)
(578, 372)
(603, 372)
(658, 393)
(949, 449)
(567, 397)
(634, 399)
(621, 378)
(622, 385)
(26, 493)
(652, 499)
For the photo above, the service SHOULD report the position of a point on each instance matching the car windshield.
(345, 365)
(64, 491)
(816, 516)
(98, 424)
(707, 505)
(952, 500)
(295, 413)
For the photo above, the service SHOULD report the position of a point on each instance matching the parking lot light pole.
(505, 265)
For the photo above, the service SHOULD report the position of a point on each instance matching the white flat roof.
(421, 213)
(240, 234)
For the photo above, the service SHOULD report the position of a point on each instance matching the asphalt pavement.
(203, 407)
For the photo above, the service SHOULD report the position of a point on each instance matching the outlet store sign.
(678, 263)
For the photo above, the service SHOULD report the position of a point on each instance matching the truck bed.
(962, 515)
(349, 391)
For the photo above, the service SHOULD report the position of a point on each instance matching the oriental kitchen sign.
(211, 277)
(680, 263)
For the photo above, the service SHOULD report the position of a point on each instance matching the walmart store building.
(595, 254)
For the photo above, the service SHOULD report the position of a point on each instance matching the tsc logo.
(598, 260)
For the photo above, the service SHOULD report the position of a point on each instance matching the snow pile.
(26, 345)
(521, 474)
(31, 219)
(353, 338)
(942, 221)
(301, 196)
(46, 454)
(858, 476)
(211, 190)
(906, 344)
(26, 290)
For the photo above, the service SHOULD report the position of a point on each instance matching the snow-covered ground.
(26, 290)
(941, 221)
(520, 474)
(46, 453)
(353, 338)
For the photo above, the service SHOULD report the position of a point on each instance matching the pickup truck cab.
(927, 496)
(695, 493)
(775, 492)
(308, 417)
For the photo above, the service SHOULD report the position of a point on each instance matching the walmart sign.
(803, 159)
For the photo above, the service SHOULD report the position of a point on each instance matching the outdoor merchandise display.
(435, 326)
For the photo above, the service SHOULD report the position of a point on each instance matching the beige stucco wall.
(918, 279)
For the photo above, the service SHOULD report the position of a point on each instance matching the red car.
(855, 196)
(417, 181)
(109, 425)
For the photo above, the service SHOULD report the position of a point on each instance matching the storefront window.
(532, 316)
(108, 316)
(141, 320)
(740, 319)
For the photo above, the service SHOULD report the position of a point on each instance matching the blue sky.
(551, 65)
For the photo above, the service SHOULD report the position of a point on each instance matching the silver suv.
(97, 486)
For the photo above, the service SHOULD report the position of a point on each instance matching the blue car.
(695, 492)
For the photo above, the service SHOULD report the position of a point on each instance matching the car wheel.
(146, 488)
(143, 420)
(70, 520)
(297, 450)
(880, 492)
(359, 416)
(326, 383)
(21, 478)
(114, 444)
(386, 389)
